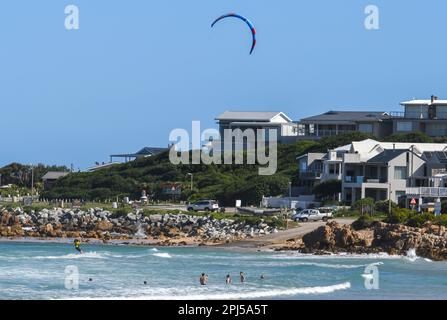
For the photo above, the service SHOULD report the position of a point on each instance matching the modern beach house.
(380, 170)
(427, 116)
(286, 129)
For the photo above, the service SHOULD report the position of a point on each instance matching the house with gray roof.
(334, 123)
(428, 116)
(380, 170)
(286, 129)
(51, 177)
(143, 153)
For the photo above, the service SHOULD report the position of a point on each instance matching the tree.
(416, 137)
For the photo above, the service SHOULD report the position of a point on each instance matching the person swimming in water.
(77, 244)
(228, 279)
(203, 279)
(242, 277)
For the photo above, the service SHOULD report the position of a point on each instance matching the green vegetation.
(225, 183)
(20, 175)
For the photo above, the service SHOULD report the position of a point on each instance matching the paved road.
(282, 236)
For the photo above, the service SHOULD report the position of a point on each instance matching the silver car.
(313, 215)
(203, 205)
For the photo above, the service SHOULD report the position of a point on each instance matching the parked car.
(203, 205)
(313, 215)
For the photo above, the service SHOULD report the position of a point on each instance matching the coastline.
(270, 242)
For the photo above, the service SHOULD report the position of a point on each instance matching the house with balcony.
(315, 168)
(380, 170)
(427, 116)
(262, 122)
(333, 123)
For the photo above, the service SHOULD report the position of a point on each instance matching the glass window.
(404, 126)
(400, 173)
(399, 194)
(366, 127)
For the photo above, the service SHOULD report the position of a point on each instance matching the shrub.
(121, 212)
(365, 205)
(417, 220)
(398, 215)
(383, 206)
(362, 222)
(441, 220)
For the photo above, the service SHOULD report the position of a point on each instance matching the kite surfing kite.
(252, 28)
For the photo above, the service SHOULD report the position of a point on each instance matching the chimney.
(433, 98)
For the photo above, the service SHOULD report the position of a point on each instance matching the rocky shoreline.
(429, 242)
(134, 227)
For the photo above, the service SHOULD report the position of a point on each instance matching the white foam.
(162, 255)
(86, 255)
(154, 249)
(279, 292)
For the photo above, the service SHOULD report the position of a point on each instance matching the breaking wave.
(242, 295)
(162, 255)
(71, 256)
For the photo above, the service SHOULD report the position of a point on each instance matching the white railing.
(427, 192)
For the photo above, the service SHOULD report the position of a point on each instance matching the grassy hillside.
(225, 183)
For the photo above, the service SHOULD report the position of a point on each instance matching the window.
(400, 173)
(399, 194)
(404, 126)
(366, 127)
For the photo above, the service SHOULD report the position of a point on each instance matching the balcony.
(427, 192)
(322, 133)
(310, 175)
(397, 114)
(361, 179)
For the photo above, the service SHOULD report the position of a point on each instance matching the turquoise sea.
(55, 271)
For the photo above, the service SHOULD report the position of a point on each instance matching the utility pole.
(389, 198)
(192, 179)
(32, 180)
(290, 195)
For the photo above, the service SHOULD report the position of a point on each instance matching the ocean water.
(41, 271)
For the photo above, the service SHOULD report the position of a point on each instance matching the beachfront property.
(51, 177)
(380, 170)
(143, 153)
(286, 129)
(427, 116)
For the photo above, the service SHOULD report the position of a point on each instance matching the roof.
(439, 156)
(146, 151)
(251, 116)
(424, 102)
(54, 175)
(316, 155)
(386, 156)
(369, 148)
(151, 151)
(352, 116)
(101, 166)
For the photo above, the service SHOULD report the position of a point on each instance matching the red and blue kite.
(252, 28)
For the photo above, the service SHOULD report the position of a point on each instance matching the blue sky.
(137, 69)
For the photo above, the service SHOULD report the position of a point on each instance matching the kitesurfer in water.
(77, 244)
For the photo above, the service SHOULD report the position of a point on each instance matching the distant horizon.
(134, 72)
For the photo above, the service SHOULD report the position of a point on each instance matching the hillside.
(225, 183)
